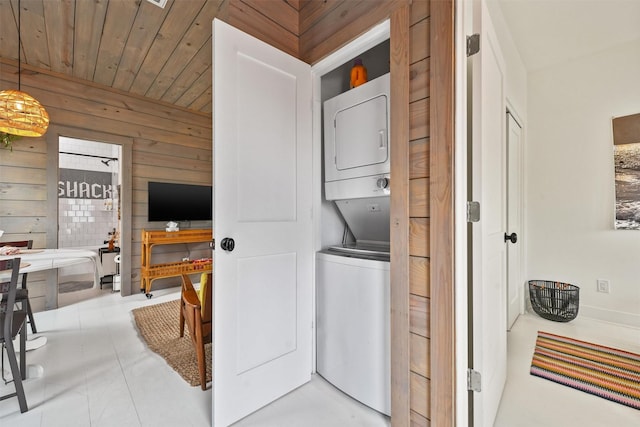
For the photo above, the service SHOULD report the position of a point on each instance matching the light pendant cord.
(19, 42)
(20, 113)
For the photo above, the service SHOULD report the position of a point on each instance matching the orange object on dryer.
(358, 73)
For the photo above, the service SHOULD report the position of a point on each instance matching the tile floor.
(529, 401)
(97, 372)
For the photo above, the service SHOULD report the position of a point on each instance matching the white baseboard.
(622, 318)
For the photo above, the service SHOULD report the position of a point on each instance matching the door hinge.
(474, 380)
(473, 211)
(473, 44)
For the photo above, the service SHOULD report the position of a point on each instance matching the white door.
(488, 246)
(262, 200)
(515, 290)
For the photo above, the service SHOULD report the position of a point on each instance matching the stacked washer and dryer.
(352, 278)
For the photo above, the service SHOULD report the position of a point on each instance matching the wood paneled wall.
(273, 21)
(168, 144)
(328, 25)
(419, 213)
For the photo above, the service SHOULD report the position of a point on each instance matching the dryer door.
(356, 132)
(361, 134)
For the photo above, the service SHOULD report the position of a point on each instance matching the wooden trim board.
(442, 89)
(400, 381)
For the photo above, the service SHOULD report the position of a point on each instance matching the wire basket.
(554, 300)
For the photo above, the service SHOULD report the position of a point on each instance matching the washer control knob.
(382, 183)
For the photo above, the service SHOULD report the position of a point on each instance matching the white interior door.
(488, 245)
(515, 290)
(262, 200)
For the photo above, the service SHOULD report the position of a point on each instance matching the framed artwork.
(626, 156)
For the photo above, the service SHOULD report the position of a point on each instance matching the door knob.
(513, 237)
(227, 244)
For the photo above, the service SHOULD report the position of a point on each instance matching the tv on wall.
(179, 202)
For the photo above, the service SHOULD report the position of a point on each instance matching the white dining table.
(49, 259)
(32, 260)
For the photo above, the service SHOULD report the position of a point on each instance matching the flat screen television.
(179, 202)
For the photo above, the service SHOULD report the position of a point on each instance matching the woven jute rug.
(603, 371)
(159, 326)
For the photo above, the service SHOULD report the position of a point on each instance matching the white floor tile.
(316, 404)
(530, 401)
(98, 372)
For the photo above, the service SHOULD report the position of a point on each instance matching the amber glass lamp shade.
(21, 114)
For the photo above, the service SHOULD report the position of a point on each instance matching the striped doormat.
(606, 372)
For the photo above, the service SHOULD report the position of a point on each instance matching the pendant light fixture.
(20, 113)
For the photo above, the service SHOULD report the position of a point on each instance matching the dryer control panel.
(356, 188)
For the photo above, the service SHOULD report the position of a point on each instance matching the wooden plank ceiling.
(129, 45)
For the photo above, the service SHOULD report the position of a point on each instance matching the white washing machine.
(353, 324)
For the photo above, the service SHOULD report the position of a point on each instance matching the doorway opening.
(352, 240)
(353, 265)
(89, 215)
(245, 271)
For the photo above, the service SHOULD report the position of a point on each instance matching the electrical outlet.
(603, 286)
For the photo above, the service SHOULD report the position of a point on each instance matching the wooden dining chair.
(12, 322)
(195, 311)
(23, 293)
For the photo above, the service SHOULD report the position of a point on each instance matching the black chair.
(23, 293)
(12, 322)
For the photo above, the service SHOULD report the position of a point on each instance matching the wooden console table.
(150, 272)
